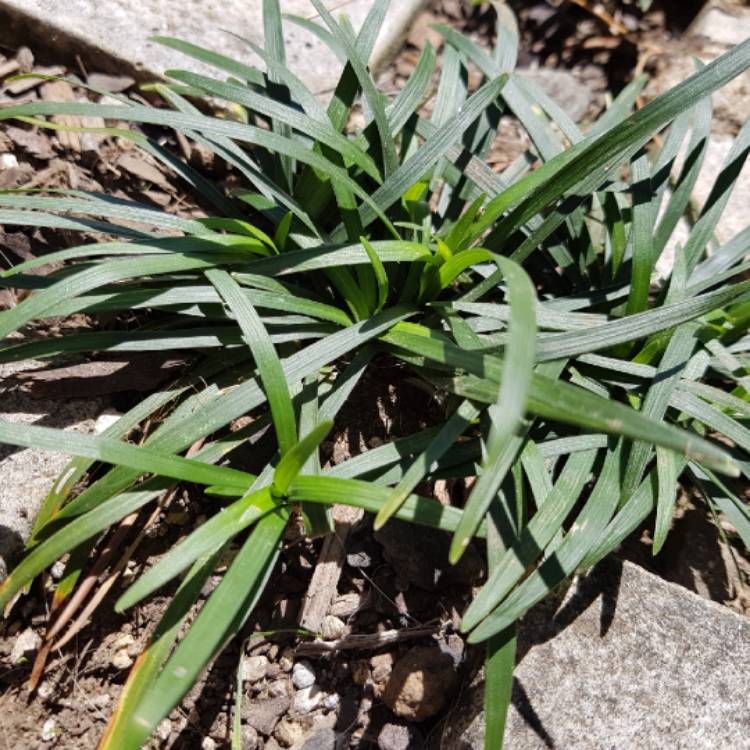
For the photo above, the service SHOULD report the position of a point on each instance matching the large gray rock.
(625, 660)
(120, 31)
(28, 475)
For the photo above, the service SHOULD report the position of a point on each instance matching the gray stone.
(121, 30)
(623, 660)
(308, 699)
(263, 715)
(722, 24)
(254, 668)
(323, 739)
(303, 674)
(249, 738)
(26, 644)
(399, 737)
(28, 475)
(563, 88)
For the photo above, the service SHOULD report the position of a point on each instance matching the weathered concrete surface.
(27, 475)
(626, 660)
(121, 29)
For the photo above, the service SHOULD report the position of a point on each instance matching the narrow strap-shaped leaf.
(444, 440)
(718, 494)
(548, 183)
(371, 94)
(107, 273)
(318, 519)
(266, 359)
(102, 206)
(657, 398)
(499, 661)
(437, 145)
(381, 278)
(113, 509)
(533, 539)
(413, 92)
(77, 467)
(666, 472)
(713, 418)
(211, 535)
(500, 458)
(294, 459)
(723, 258)
(113, 451)
(232, 153)
(520, 351)
(273, 39)
(638, 326)
(507, 413)
(370, 497)
(219, 620)
(152, 658)
(247, 73)
(498, 684)
(719, 196)
(320, 131)
(209, 127)
(642, 231)
(181, 295)
(694, 157)
(210, 417)
(563, 560)
(568, 403)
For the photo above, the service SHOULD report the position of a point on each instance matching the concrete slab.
(625, 660)
(119, 32)
(27, 475)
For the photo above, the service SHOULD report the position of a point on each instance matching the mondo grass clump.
(580, 388)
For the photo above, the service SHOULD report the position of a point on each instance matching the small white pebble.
(121, 659)
(254, 668)
(332, 628)
(278, 688)
(288, 732)
(100, 700)
(8, 161)
(57, 570)
(105, 420)
(124, 641)
(303, 675)
(49, 730)
(26, 643)
(307, 699)
(164, 729)
(45, 690)
(286, 660)
(331, 701)
(249, 736)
